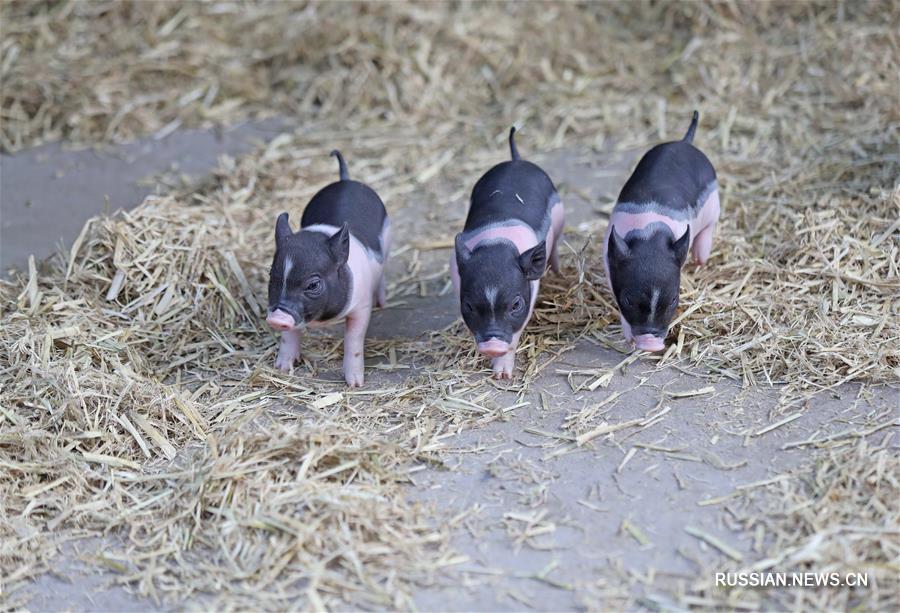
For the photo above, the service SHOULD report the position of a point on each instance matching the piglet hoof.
(288, 350)
(554, 261)
(555, 267)
(288, 354)
(504, 366)
(354, 377)
(285, 363)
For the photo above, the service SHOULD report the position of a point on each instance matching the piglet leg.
(288, 351)
(505, 365)
(558, 221)
(554, 258)
(703, 244)
(381, 292)
(354, 341)
(626, 329)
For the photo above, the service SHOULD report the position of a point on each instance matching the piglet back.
(516, 190)
(675, 177)
(352, 202)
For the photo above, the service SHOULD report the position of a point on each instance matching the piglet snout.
(493, 348)
(279, 320)
(649, 342)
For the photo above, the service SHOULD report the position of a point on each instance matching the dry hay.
(799, 114)
(136, 369)
(143, 405)
(150, 415)
(838, 515)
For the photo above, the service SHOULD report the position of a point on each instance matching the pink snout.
(279, 320)
(493, 348)
(649, 342)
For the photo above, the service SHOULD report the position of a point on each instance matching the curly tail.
(342, 165)
(512, 144)
(689, 135)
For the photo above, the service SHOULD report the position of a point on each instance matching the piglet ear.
(534, 261)
(680, 247)
(339, 244)
(282, 228)
(462, 252)
(617, 247)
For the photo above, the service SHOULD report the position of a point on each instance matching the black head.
(309, 279)
(495, 287)
(645, 275)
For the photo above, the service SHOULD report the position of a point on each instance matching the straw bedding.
(837, 515)
(137, 396)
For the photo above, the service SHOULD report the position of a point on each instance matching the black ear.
(282, 228)
(617, 247)
(462, 252)
(339, 244)
(680, 247)
(534, 261)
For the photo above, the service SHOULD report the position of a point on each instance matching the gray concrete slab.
(47, 193)
(578, 502)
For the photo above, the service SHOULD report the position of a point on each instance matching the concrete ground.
(546, 524)
(47, 193)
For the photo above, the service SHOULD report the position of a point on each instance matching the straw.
(138, 397)
(838, 515)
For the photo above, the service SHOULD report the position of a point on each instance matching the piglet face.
(645, 275)
(496, 291)
(309, 279)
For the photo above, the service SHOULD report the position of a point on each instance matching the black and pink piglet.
(514, 225)
(331, 270)
(668, 207)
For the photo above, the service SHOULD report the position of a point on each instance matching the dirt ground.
(540, 522)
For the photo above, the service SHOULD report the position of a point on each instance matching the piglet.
(669, 205)
(514, 215)
(332, 269)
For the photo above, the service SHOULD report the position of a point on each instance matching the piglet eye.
(625, 301)
(313, 287)
(467, 307)
(517, 305)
